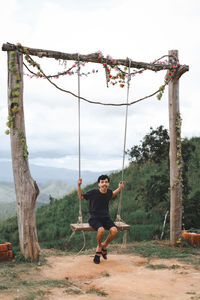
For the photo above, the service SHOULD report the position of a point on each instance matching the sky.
(141, 30)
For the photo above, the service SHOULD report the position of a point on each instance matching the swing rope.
(118, 218)
(80, 219)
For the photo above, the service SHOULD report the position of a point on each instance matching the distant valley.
(54, 189)
(52, 182)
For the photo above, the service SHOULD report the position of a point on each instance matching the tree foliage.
(154, 147)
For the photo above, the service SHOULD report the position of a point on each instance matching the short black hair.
(103, 177)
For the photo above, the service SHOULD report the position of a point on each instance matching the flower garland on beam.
(120, 75)
(25, 51)
(56, 76)
(108, 63)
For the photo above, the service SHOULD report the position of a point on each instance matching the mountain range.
(52, 182)
(43, 174)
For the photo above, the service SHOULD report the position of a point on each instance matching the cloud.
(142, 30)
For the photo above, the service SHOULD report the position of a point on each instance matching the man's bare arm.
(120, 187)
(80, 193)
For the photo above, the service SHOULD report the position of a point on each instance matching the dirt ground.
(125, 277)
(121, 277)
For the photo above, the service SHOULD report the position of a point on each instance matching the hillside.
(50, 189)
(55, 188)
(7, 192)
(53, 183)
(144, 205)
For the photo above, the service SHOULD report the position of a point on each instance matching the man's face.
(103, 185)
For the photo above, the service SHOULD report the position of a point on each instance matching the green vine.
(15, 108)
(179, 160)
(179, 153)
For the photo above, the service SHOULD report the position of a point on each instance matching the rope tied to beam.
(80, 219)
(118, 218)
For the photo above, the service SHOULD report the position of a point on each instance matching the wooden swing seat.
(121, 226)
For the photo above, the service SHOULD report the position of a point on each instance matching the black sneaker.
(97, 258)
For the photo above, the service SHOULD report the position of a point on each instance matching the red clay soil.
(122, 277)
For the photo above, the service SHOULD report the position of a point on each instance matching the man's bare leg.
(113, 231)
(100, 234)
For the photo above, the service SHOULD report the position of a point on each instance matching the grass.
(156, 267)
(157, 249)
(3, 287)
(32, 289)
(34, 283)
(96, 291)
(32, 296)
(162, 266)
(105, 274)
(73, 291)
(20, 276)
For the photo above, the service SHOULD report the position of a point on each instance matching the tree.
(25, 187)
(192, 211)
(154, 147)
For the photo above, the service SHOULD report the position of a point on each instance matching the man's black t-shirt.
(98, 202)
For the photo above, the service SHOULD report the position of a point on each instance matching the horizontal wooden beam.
(93, 58)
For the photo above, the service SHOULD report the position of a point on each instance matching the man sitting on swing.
(99, 213)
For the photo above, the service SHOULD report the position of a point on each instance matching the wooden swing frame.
(26, 196)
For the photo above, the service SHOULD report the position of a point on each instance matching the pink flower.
(109, 57)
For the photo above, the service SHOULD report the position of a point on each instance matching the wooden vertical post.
(25, 187)
(175, 186)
